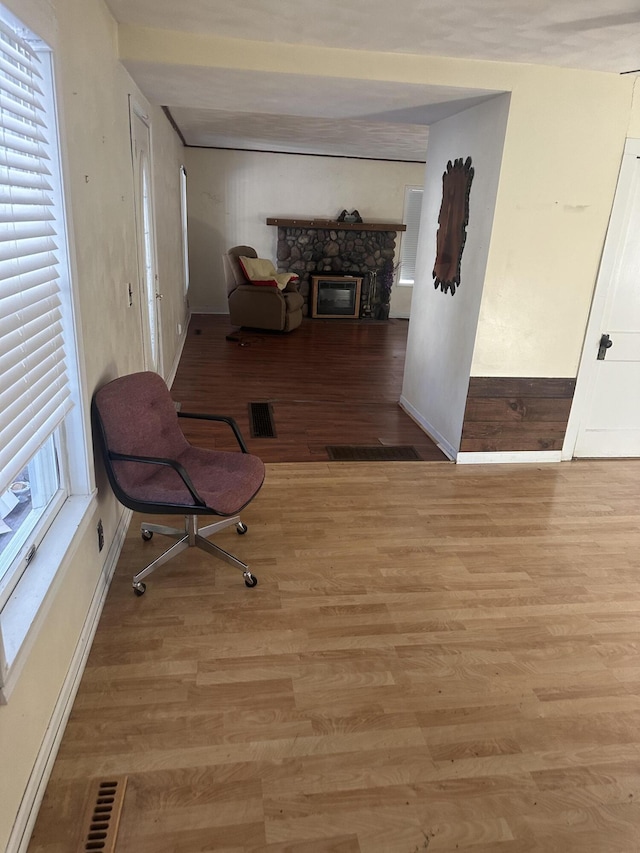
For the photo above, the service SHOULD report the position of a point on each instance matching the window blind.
(409, 248)
(34, 392)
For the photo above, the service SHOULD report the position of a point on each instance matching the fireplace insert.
(335, 296)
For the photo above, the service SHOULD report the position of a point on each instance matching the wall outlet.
(100, 530)
(179, 328)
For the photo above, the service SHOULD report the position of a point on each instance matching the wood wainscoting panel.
(516, 414)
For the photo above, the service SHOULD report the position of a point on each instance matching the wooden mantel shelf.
(334, 225)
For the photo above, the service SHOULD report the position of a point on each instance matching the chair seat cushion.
(225, 481)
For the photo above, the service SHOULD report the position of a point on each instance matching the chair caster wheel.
(146, 535)
(139, 588)
(250, 580)
(241, 528)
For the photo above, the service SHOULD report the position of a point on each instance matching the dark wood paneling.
(510, 386)
(516, 414)
(517, 409)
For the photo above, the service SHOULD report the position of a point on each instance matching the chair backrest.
(136, 415)
(233, 274)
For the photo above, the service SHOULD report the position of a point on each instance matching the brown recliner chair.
(259, 306)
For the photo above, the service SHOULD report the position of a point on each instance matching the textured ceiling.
(221, 108)
(301, 113)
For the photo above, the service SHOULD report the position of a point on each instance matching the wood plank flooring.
(329, 382)
(436, 657)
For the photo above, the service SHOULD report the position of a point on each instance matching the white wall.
(633, 131)
(92, 91)
(562, 154)
(443, 326)
(231, 194)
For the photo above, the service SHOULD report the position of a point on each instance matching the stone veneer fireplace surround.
(316, 246)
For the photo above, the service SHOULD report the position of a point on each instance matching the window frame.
(25, 538)
(184, 228)
(27, 598)
(409, 239)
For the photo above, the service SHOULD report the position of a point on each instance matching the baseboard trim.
(424, 425)
(515, 456)
(176, 361)
(34, 792)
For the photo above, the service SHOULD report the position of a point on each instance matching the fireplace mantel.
(334, 225)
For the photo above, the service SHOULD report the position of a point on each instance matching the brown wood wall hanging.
(452, 224)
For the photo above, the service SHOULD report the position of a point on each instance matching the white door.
(608, 388)
(149, 296)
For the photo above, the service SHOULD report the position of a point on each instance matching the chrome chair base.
(192, 537)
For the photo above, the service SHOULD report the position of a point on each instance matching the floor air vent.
(261, 420)
(102, 818)
(375, 453)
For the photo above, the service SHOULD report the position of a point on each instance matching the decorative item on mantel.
(354, 216)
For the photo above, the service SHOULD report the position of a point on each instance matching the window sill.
(24, 613)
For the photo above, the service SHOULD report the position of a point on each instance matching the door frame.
(136, 112)
(614, 242)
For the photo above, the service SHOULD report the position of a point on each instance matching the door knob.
(605, 344)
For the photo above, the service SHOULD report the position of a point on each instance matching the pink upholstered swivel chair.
(152, 468)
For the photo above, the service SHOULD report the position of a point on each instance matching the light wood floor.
(436, 657)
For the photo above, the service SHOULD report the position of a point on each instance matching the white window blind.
(34, 392)
(409, 248)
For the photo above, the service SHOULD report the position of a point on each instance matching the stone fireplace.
(314, 246)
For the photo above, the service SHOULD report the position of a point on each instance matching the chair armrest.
(159, 460)
(224, 419)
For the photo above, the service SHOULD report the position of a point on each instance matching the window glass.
(183, 217)
(409, 245)
(44, 488)
(25, 502)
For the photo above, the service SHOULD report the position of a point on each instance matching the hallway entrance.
(330, 382)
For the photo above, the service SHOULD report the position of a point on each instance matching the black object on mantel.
(354, 216)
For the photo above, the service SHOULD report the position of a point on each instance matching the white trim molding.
(424, 425)
(32, 799)
(176, 361)
(509, 456)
